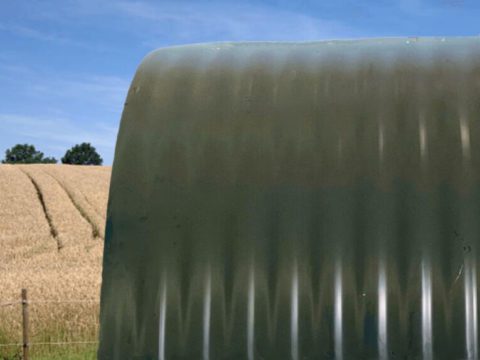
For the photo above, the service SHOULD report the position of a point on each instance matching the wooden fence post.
(25, 324)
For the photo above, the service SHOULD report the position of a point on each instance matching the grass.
(84, 352)
(76, 354)
(75, 325)
(51, 236)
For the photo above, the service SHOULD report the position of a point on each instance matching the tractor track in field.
(81, 211)
(92, 205)
(48, 218)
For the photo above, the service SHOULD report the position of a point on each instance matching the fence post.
(25, 324)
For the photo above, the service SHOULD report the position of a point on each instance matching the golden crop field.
(51, 242)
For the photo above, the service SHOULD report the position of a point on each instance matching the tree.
(82, 154)
(26, 154)
(49, 160)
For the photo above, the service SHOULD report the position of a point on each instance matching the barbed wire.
(61, 301)
(47, 301)
(9, 303)
(63, 343)
(49, 343)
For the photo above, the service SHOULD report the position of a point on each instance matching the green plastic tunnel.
(297, 201)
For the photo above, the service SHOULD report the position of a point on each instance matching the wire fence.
(24, 304)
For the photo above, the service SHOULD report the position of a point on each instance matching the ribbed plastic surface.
(297, 201)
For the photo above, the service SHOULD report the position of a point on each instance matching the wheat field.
(51, 242)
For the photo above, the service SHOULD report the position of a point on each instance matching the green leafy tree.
(82, 154)
(26, 154)
(49, 160)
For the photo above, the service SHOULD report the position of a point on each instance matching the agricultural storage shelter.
(296, 201)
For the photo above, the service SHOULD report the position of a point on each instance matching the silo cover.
(313, 200)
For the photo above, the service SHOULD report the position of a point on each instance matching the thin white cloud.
(59, 110)
(60, 130)
(36, 34)
(200, 21)
(58, 134)
(107, 92)
(100, 92)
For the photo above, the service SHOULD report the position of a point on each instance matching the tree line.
(80, 154)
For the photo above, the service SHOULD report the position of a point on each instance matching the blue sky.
(65, 65)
